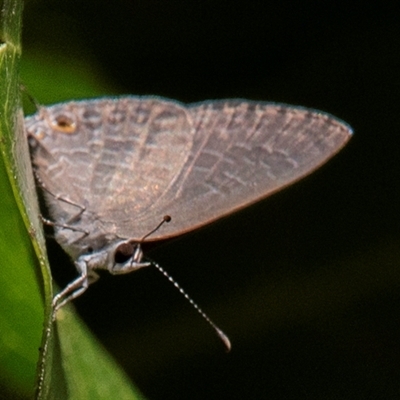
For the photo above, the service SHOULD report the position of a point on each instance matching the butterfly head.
(118, 257)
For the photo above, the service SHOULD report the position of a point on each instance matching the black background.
(306, 283)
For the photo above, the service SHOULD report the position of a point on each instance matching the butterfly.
(112, 169)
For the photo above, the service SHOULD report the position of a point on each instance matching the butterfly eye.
(64, 123)
(123, 253)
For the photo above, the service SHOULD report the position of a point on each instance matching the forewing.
(242, 152)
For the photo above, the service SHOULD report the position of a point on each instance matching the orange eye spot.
(64, 123)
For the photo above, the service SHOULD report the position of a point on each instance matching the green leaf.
(22, 311)
(70, 363)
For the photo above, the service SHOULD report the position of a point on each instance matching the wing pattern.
(132, 160)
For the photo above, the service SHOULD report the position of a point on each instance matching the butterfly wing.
(115, 157)
(242, 152)
(132, 160)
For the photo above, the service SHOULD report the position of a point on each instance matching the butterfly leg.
(62, 198)
(47, 222)
(75, 288)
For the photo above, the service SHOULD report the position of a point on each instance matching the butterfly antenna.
(166, 218)
(219, 332)
(224, 338)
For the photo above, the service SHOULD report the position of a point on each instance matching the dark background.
(306, 283)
